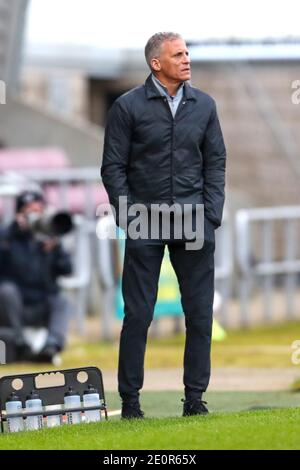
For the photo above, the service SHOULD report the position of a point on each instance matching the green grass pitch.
(239, 420)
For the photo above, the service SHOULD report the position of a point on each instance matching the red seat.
(32, 159)
(75, 198)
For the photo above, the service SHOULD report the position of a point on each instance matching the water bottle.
(72, 400)
(53, 420)
(91, 398)
(13, 405)
(34, 404)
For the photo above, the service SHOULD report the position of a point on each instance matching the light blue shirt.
(173, 101)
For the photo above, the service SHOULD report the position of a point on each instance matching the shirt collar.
(153, 92)
(164, 89)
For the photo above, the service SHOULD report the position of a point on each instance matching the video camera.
(51, 224)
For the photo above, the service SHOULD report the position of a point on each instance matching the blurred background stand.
(51, 136)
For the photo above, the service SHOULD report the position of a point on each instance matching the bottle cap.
(71, 392)
(90, 390)
(13, 397)
(33, 396)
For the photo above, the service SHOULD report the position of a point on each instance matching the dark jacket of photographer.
(24, 261)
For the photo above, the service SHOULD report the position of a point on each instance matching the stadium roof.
(110, 63)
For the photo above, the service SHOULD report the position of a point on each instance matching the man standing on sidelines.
(164, 145)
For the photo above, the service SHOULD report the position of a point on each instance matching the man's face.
(173, 64)
(29, 214)
(35, 207)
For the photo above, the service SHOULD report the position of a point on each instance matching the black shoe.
(194, 407)
(47, 354)
(131, 410)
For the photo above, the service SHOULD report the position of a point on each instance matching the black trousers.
(195, 274)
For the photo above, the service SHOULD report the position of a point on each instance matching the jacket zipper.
(172, 150)
(182, 103)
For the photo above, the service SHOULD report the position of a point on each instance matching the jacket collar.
(15, 231)
(153, 92)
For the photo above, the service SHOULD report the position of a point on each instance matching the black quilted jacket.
(153, 158)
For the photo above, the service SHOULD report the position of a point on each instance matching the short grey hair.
(153, 46)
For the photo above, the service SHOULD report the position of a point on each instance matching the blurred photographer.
(29, 267)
